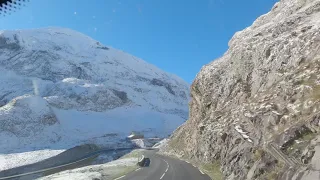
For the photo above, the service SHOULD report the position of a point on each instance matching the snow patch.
(63, 88)
(243, 133)
(8, 161)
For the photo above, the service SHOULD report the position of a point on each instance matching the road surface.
(159, 167)
(165, 168)
(31, 171)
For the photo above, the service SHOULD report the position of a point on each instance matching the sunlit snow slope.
(61, 86)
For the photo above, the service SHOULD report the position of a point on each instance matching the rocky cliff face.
(255, 111)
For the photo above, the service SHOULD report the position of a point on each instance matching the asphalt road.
(31, 171)
(159, 167)
(165, 168)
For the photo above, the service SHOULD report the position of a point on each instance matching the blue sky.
(178, 36)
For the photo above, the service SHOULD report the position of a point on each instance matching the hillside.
(254, 112)
(61, 88)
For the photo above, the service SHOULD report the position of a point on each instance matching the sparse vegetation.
(301, 145)
(213, 170)
(272, 175)
(125, 170)
(312, 82)
(315, 95)
(282, 71)
(291, 149)
(177, 142)
(258, 154)
(281, 129)
(133, 154)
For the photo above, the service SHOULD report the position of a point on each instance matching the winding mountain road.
(165, 168)
(159, 167)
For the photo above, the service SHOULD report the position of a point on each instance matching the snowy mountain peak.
(66, 43)
(74, 73)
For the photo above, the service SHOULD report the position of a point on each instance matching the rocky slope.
(254, 112)
(58, 85)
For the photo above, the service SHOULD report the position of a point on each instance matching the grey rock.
(261, 94)
(27, 116)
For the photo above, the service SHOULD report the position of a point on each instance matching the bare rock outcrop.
(254, 111)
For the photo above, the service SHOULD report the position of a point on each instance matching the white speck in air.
(35, 87)
(75, 13)
(95, 29)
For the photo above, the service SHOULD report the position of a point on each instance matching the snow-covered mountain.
(61, 86)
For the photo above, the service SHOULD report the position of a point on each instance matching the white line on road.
(201, 171)
(162, 175)
(194, 165)
(167, 165)
(187, 162)
(138, 169)
(166, 169)
(120, 177)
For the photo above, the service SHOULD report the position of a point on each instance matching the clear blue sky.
(178, 36)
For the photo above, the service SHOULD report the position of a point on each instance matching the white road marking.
(162, 175)
(201, 171)
(194, 165)
(138, 169)
(187, 162)
(166, 169)
(120, 177)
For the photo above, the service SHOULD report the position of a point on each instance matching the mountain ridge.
(79, 77)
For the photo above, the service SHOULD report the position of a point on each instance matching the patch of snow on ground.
(142, 143)
(106, 129)
(101, 128)
(8, 161)
(111, 169)
(121, 121)
(161, 144)
(243, 133)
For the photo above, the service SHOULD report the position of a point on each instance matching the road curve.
(90, 155)
(165, 168)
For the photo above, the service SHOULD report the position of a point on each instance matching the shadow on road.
(62, 158)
